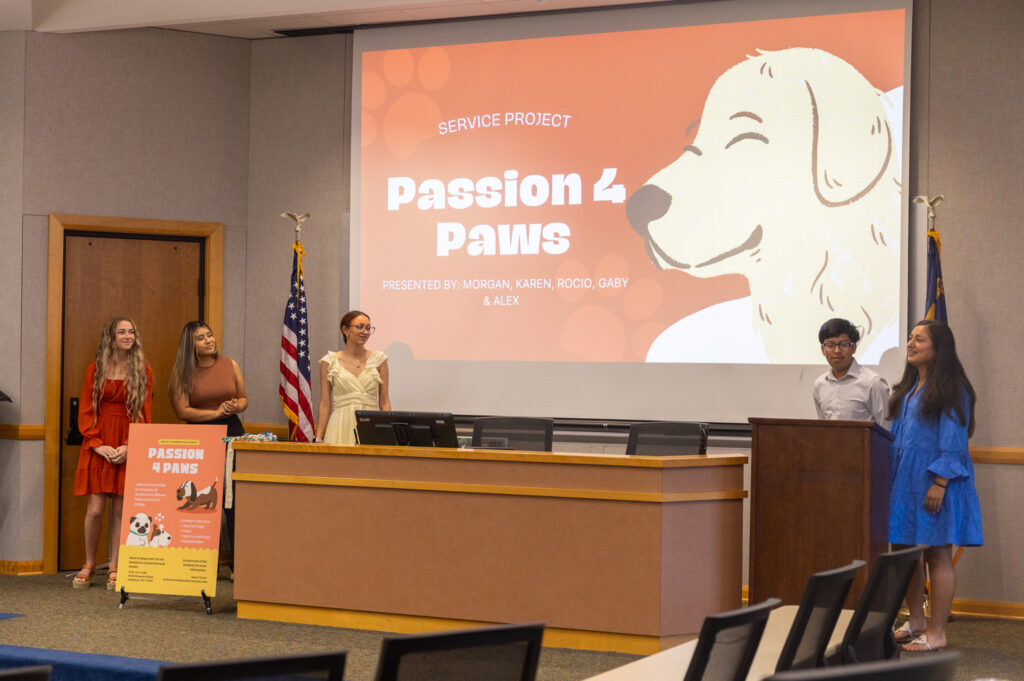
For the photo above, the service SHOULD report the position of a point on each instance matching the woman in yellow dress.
(352, 378)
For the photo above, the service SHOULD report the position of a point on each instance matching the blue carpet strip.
(80, 666)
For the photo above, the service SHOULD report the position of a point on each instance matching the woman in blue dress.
(933, 500)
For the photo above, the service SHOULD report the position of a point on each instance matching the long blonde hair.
(136, 383)
(183, 375)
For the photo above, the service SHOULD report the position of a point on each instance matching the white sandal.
(903, 633)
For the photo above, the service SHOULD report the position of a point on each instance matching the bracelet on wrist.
(940, 484)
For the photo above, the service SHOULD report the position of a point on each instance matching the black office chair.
(869, 636)
(501, 653)
(728, 642)
(502, 432)
(34, 673)
(667, 438)
(816, 618)
(932, 667)
(330, 666)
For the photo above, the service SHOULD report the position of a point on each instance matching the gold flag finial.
(931, 204)
(299, 219)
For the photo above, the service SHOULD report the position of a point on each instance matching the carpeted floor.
(178, 630)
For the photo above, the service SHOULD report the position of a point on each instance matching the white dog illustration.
(138, 530)
(160, 538)
(793, 180)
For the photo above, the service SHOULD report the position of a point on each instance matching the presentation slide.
(695, 192)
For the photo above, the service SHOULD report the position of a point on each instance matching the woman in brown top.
(208, 389)
(205, 387)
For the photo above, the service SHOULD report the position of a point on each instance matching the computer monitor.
(406, 428)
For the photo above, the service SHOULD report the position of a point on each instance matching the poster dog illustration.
(160, 537)
(194, 497)
(138, 530)
(793, 181)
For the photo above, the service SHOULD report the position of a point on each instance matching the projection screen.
(637, 213)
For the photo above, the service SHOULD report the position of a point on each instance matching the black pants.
(235, 429)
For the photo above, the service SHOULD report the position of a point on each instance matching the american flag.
(294, 390)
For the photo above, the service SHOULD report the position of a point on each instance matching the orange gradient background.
(632, 97)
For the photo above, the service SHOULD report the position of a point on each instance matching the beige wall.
(165, 124)
(144, 123)
(298, 162)
(970, 130)
(18, 459)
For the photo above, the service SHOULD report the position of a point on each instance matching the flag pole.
(295, 373)
(932, 304)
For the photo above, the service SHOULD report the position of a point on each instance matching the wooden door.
(157, 281)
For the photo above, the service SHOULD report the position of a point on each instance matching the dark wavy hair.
(347, 319)
(837, 327)
(946, 382)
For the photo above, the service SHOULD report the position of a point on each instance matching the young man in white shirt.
(848, 391)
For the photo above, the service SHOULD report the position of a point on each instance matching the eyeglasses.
(842, 345)
(362, 327)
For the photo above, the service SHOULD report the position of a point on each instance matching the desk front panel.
(599, 545)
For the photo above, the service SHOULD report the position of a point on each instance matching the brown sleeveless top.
(214, 385)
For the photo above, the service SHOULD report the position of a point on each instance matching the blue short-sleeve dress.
(922, 450)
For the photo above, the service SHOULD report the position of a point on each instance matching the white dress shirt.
(860, 395)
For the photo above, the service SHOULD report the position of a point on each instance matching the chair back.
(504, 432)
(33, 673)
(501, 653)
(330, 666)
(932, 667)
(869, 636)
(667, 438)
(816, 618)
(727, 643)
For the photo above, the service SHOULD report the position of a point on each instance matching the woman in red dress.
(117, 391)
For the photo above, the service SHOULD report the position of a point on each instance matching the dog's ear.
(852, 145)
(192, 491)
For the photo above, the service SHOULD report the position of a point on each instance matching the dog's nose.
(648, 203)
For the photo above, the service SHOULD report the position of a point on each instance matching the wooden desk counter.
(614, 552)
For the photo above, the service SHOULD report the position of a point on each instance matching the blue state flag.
(935, 296)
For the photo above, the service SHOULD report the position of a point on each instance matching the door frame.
(213, 235)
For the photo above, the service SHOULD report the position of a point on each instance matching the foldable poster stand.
(170, 525)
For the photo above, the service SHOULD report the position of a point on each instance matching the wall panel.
(298, 162)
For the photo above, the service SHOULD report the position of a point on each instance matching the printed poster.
(170, 527)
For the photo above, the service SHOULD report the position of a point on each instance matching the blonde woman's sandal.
(83, 580)
(921, 645)
(903, 634)
(112, 579)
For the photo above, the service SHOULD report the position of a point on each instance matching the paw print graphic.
(612, 317)
(398, 110)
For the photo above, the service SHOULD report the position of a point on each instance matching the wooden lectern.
(819, 498)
